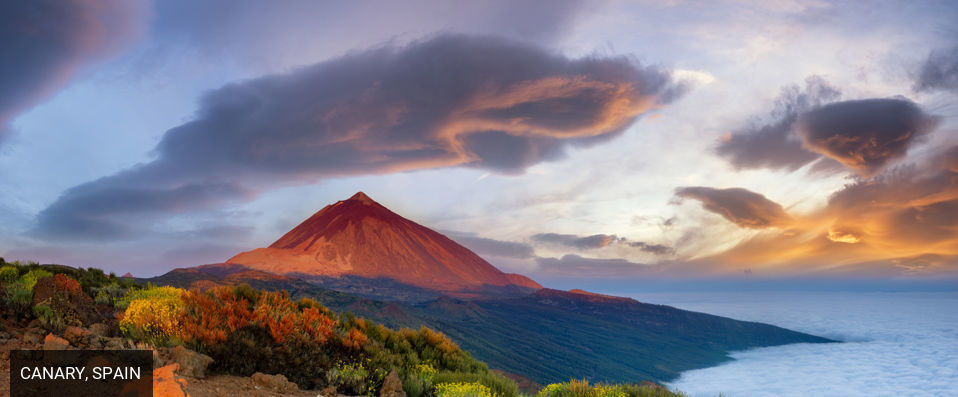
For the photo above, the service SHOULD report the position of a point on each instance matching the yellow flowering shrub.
(154, 315)
(462, 389)
(424, 371)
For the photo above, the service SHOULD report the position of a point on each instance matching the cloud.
(575, 265)
(573, 241)
(740, 206)
(491, 247)
(446, 101)
(878, 223)
(939, 71)
(865, 135)
(655, 249)
(774, 144)
(47, 41)
(596, 241)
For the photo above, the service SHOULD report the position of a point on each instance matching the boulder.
(167, 384)
(277, 383)
(53, 342)
(191, 363)
(77, 336)
(392, 386)
(100, 329)
(329, 392)
(65, 296)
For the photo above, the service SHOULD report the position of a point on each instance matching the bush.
(414, 386)
(18, 295)
(9, 274)
(30, 279)
(462, 389)
(149, 293)
(499, 385)
(355, 378)
(50, 319)
(153, 315)
(110, 293)
(581, 388)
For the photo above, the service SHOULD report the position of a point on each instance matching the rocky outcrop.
(65, 297)
(191, 363)
(277, 383)
(53, 342)
(392, 386)
(167, 383)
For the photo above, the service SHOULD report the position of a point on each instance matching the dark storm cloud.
(740, 206)
(573, 241)
(939, 71)
(487, 246)
(451, 100)
(45, 41)
(865, 135)
(774, 144)
(575, 265)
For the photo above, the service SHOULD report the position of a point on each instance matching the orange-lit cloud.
(864, 135)
(890, 220)
(450, 100)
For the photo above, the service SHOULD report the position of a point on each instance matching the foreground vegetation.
(246, 330)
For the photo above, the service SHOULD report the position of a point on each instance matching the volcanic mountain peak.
(360, 196)
(360, 237)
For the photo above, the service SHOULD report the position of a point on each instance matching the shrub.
(50, 319)
(18, 295)
(581, 388)
(9, 274)
(149, 293)
(414, 386)
(30, 278)
(354, 378)
(110, 293)
(19, 298)
(153, 315)
(462, 389)
(499, 385)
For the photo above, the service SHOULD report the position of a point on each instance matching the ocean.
(895, 344)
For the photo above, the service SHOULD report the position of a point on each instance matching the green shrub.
(581, 388)
(499, 385)
(462, 389)
(30, 279)
(355, 378)
(151, 292)
(50, 319)
(9, 274)
(19, 298)
(108, 294)
(414, 386)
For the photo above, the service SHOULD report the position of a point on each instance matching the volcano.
(359, 238)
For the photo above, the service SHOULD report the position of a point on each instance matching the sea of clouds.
(896, 344)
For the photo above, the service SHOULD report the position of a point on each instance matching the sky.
(605, 140)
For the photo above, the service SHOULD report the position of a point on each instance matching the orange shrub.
(355, 339)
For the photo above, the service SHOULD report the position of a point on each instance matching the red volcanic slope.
(360, 237)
